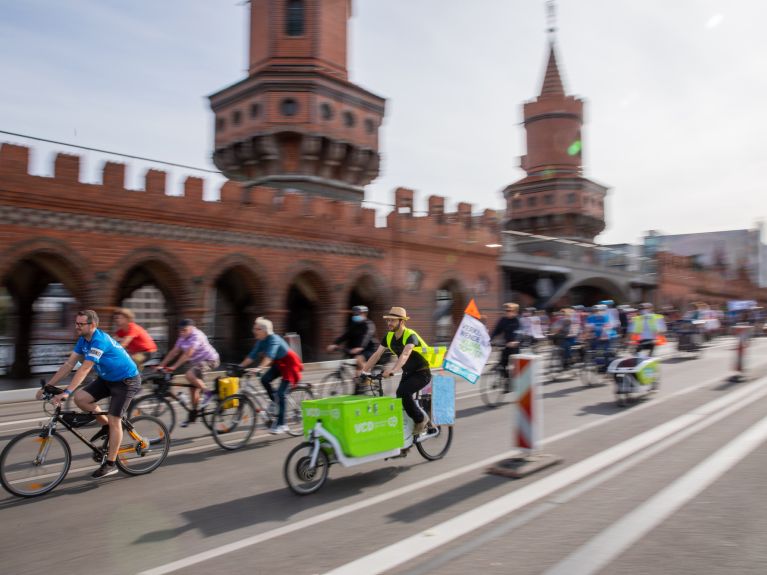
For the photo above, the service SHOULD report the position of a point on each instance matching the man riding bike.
(275, 356)
(359, 338)
(416, 374)
(118, 377)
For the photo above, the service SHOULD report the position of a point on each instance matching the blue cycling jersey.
(601, 323)
(111, 361)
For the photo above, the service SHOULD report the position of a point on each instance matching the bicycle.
(307, 465)
(236, 417)
(157, 403)
(343, 380)
(494, 385)
(36, 461)
(595, 363)
(340, 381)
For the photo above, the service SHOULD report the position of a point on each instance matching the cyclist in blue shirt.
(601, 331)
(118, 377)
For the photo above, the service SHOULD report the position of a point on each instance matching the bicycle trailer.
(362, 425)
(634, 374)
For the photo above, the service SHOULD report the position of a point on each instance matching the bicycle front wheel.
(234, 421)
(294, 417)
(155, 405)
(492, 388)
(31, 465)
(300, 476)
(334, 384)
(436, 443)
(144, 446)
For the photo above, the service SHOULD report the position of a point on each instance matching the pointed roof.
(552, 82)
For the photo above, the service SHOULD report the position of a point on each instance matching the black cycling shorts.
(121, 392)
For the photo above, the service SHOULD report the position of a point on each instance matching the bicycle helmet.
(360, 309)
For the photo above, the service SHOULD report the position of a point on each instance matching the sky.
(674, 91)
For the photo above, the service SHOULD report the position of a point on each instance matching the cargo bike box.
(362, 425)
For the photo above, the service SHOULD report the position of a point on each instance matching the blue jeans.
(266, 380)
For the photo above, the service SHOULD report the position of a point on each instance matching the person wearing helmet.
(601, 333)
(359, 339)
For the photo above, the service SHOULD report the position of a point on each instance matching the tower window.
(255, 110)
(370, 126)
(220, 124)
(531, 201)
(294, 18)
(236, 117)
(326, 111)
(288, 107)
(348, 119)
(571, 198)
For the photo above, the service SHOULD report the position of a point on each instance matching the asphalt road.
(673, 484)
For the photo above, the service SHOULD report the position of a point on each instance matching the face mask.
(357, 318)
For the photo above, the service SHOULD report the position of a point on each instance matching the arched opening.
(40, 298)
(366, 292)
(306, 297)
(236, 304)
(448, 311)
(148, 289)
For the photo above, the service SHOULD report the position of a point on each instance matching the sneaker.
(278, 429)
(191, 419)
(103, 432)
(420, 427)
(206, 397)
(105, 470)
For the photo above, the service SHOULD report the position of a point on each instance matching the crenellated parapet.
(238, 208)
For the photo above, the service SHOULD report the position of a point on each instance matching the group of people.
(118, 360)
(601, 328)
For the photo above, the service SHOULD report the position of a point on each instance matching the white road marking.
(533, 491)
(617, 538)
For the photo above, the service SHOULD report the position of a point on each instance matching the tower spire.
(552, 81)
(551, 18)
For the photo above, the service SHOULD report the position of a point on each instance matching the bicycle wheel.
(294, 417)
(155, 405)
(147, 450)
(492, 388)
(234, 421)
(299, 475)
(436, 443)
(31, 465)
(334, 384)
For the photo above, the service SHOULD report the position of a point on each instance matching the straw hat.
(397, 313)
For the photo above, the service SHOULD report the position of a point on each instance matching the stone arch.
(591, 290)
(27, 269)
(237, 294)
(367, 288)
(307, 297)
(451, 299)
(158, 268)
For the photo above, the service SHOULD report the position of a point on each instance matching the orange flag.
(472, 310)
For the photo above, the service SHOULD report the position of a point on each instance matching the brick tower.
(554, 198)
(296, 122)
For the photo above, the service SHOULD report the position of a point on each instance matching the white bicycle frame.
(319, 432)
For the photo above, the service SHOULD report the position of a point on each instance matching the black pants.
(408, 386)
(648, 344)
(506, 353)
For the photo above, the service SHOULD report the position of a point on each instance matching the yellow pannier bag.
(226, 386)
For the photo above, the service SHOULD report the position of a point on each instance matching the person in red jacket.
(134, 338)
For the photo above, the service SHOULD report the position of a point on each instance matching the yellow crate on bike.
(226, 386)
(362, 425)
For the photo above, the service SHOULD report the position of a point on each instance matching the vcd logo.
(393, 421)
(363, 427)
(313, 412)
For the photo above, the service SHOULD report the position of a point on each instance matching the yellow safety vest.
(433, 355)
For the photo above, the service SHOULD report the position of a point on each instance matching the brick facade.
(252, 249)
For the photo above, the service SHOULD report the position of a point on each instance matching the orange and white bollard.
(528, 424)
(742, 332)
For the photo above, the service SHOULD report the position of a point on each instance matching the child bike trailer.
(635, 377)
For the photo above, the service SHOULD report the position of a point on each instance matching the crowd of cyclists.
(602, 329)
